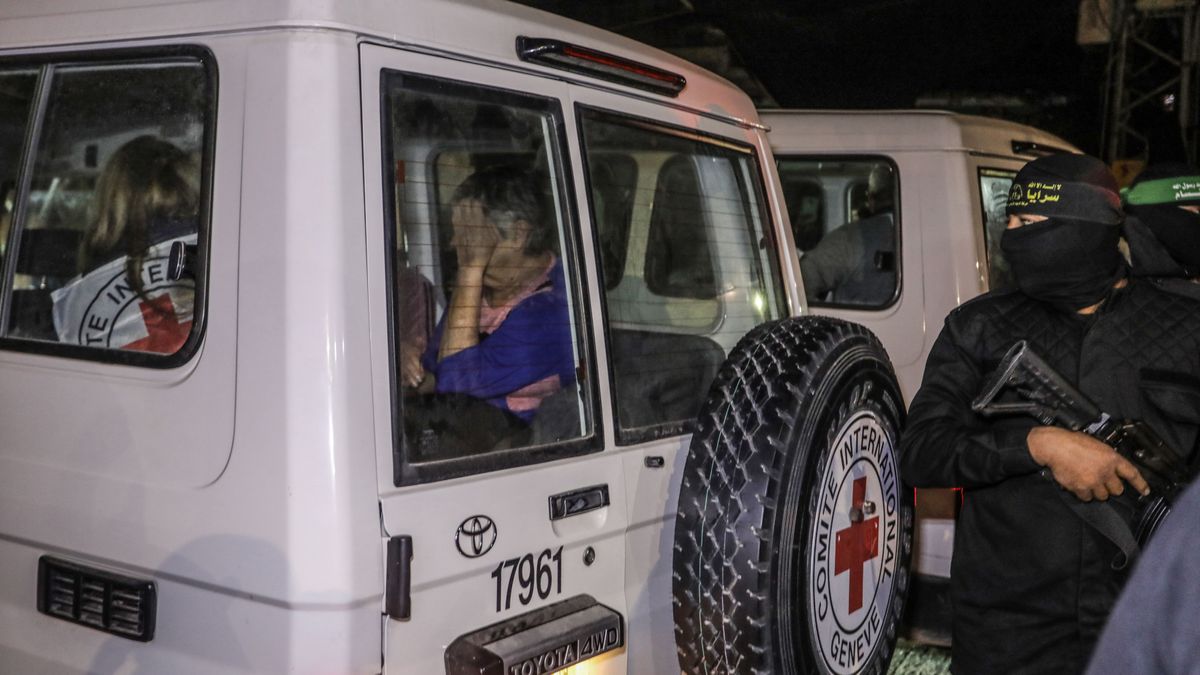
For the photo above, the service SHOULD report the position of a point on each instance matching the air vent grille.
(109, 602)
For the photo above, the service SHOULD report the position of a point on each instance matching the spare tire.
(794, 533)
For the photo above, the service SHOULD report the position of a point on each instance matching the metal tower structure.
(1152, 71)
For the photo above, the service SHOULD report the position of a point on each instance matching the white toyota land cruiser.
(240, 434)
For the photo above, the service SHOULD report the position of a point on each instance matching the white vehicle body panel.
(276, 531)
(253, 484)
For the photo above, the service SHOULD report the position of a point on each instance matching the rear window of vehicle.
(846, 224)
(489, 323)
(689, 262)
(994, 185)
(103, 205)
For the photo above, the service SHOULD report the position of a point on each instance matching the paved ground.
(914, 659)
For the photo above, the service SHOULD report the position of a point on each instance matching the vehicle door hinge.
(398, 598)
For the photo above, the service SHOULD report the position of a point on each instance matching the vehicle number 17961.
(537, 576)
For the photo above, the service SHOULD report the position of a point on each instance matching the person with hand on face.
(1031, 581)
(1163, 227)
(506, 335)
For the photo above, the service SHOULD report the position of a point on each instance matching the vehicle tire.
(791, 493)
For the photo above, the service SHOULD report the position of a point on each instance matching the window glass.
(613, 180)
(845, 220)
(805, 201)
(17, 91)
(994, 185)
(697, 266)
(486, 297)
(114, 190)
(678, 254)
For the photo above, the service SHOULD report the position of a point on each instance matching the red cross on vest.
(164, 333)
(857, 544)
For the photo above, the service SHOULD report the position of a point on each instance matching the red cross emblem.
(164, 333)
(857, 544)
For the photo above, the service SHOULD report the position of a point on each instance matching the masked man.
(1163, 228)
(1032, 582)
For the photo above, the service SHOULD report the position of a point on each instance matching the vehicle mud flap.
(794, 533)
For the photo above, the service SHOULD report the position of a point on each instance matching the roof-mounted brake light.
(1035, 149)
(576, 59)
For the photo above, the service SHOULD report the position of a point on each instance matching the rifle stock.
(1058, 401)
(1050, 398)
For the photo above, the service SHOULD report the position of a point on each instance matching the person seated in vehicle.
(806, 204)
(1163, 227)
(145, 201)
(416, 303)
(856, 263)
(506, 335)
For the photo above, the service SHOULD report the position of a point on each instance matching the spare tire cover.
(794, 532)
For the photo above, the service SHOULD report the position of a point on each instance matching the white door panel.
(514, 558)
(453, 594)
(652, 469)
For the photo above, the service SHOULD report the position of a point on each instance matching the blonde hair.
(147, 180)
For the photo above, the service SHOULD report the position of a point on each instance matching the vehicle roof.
(854, 130)
(480, 29)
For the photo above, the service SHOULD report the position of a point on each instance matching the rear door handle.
(575, 502)
(399, 578)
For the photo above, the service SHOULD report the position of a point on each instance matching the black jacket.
(1031, 583)
(1150, 259)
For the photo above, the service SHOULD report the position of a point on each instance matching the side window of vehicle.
(487, 303)
(698, 266)
(846, 222)
(994, 185)
(103, 207)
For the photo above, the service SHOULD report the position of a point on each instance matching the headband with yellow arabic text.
(1064, 199)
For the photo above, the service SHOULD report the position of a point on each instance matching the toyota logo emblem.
(475, 536)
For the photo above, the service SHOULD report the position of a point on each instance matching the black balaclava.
(1070, 260)
(1155, 198)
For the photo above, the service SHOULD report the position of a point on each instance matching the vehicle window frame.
(404, 472)
(638, 435)
(898, 217)
(34, 130)
(997, 172)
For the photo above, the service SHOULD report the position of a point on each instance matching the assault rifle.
(1047, 396)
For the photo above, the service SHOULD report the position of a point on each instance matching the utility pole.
(1154, 50)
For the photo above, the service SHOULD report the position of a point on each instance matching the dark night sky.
(888, 53)
(892, 52)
